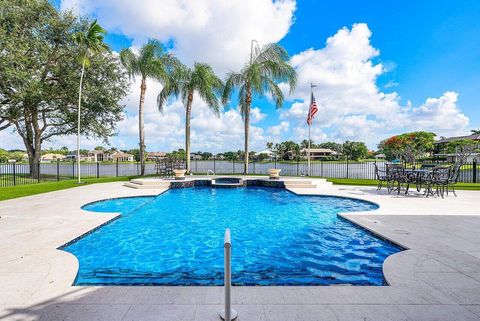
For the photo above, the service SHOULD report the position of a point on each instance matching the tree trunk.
(78, 121)
(31, 136)
(188, 111)
(141, 131)
(246, 119)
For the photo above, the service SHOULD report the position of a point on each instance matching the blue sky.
(389, 66)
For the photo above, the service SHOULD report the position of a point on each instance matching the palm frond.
(130, 62)
(204, 81)
(233, 81)
(275, 91)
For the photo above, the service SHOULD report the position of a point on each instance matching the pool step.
(306, 183)
(299, 184)
(147, 183)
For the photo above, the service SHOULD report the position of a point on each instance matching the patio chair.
(395, 174)
(453, 178)
(440, 179)
(380, 176)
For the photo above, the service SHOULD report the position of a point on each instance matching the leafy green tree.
(4, 156)
(456, 145)
(289, 150)
(151, 62)
(176, 155)
(408, 146)
(184, 83)
(267, 67)
(355, 150)
(304, 144)
(262, 156)
(136, 154)
(39, 77)
(206, 155)
(230, 155)
(90, 42)
(331, 145)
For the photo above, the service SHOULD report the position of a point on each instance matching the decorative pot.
(179, 173)
(274, 173)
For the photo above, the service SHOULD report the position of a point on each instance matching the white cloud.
(214, 31)
(351, 104)
(279, 129)
(439, 114)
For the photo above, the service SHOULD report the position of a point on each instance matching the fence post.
(347, 167)
(233, 164)
(14, 172)
(58, 171)
(275, 161)
(474, 171)
(116, 169)
(214, 164)
(138, 168)
(98, 170)
(321, 167)
(38, 172)
(298, 164)
(196, 165)
(254, 171)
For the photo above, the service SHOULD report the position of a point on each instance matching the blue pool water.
(278, 238)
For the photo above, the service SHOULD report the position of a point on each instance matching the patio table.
(417, 177)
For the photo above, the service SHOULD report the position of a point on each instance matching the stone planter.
(274, 173)
(179, 173)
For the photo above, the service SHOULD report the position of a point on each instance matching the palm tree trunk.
(78, 120)
(141, 130)
(188, 112)
(246, 119)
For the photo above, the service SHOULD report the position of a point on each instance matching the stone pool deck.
(437, 278)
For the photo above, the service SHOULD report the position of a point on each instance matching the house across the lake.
(102, 156)
(50, 157)
(317, 153)
(441, 145)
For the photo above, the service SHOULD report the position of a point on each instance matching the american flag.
(312, 110)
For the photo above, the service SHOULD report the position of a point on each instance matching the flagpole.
(309, 127)
(308, 150)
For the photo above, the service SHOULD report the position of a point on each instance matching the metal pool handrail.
(210, 171)
(228, 313)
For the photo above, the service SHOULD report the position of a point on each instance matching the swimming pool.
(278, 238)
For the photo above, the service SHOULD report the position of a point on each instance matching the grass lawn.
(372, 182)
(32, 189)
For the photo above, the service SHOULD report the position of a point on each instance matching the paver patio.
(438, 278)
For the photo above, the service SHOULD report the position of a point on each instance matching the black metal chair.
(453, 178)
(440, 179)
(395, 174)
(380, 176)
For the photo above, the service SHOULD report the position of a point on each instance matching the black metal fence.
(12, 174)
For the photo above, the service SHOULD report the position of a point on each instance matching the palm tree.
(475, 131)
(90, 42)
(184, 83)
(151, 62)
(267, 67)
